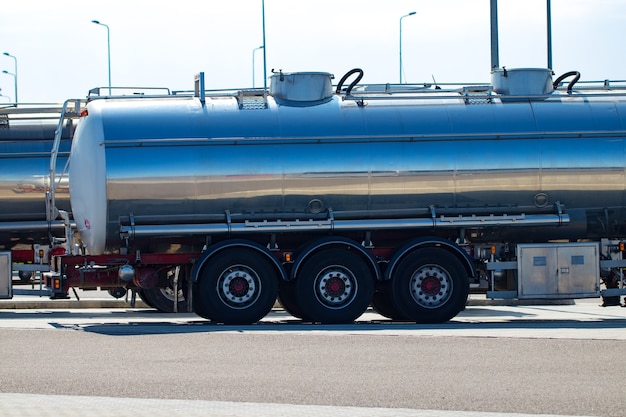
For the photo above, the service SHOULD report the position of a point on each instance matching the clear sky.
(156, 43)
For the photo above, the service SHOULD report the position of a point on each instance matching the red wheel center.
(238, 286)
(431, 285)
(335, 286)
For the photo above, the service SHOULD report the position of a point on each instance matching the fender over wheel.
(335, 286)
(429, 286)
(236, 286)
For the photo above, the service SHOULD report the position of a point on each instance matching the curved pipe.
(576, 76)
(353, 83)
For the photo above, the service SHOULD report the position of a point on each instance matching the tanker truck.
(334, 198)
(28, 235)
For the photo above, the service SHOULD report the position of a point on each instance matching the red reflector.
(84, 113)
(57, 284)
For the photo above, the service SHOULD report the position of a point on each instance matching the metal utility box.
(5, 275)
(567, 270)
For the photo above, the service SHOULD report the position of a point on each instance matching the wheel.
(162, 298)
(382, 302)
(237, 286)
(287, 299)
(429, 286)
(143, 297)
(335, 286)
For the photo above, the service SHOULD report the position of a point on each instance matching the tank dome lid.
(522, 81)
(301, 88)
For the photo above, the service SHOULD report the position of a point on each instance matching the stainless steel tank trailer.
(334, 198)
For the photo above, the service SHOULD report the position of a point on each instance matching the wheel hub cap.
(335, 287)
(431, 286)
(238, 286)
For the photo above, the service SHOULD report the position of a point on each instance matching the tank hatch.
(301, 88)
(522, 81)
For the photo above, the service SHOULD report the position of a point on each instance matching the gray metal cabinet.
(5, 275)
(563, 270)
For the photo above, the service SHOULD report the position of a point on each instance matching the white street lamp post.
(264, 46)
(406, 15)
(108, 48)
(15, 72)
(10, 73)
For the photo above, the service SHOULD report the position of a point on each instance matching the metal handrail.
(51, 210)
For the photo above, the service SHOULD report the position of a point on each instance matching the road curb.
(68, 304)
(45, 303)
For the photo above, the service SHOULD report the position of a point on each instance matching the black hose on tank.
(576, 75)
(353, 83)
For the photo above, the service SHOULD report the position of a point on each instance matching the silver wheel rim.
(168, 294)
(238, 286)
(430, 286)
(335, 286)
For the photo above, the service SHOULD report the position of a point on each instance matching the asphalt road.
(557, 360)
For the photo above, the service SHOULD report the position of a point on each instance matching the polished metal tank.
(25, 151)
(232, 157)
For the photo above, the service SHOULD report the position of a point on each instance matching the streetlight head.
(412, 13)
(97, 22)
(5, 53)
(5, 71)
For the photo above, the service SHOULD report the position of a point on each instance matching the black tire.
(162, 299)
(143, 297)
(335, 286)
(430, 286)
(237, 286)
(287, 299)
(382, 302)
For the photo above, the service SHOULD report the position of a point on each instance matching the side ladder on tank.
(71, 110)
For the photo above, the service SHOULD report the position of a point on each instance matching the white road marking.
(36, 405)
